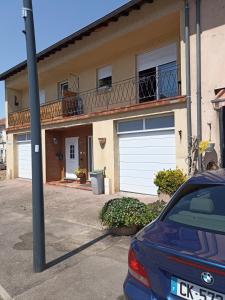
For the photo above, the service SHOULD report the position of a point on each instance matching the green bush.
(125, 211)
(155, 209)
(168, 181)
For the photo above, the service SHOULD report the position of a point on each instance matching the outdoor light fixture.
(16, 102)
(180, 134)
(102, 142)
(55, 141)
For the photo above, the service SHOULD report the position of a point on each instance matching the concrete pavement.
(83, 262)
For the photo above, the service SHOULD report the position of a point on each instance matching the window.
(104, 77)
(63, 88)
(159, 123)
(72, 151)
(42, 96)
(133, 125)
(157, 73)
(23, 137)
(201, 208)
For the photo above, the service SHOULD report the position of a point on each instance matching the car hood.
(185, 240)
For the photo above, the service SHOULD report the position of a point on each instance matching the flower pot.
(124, 230)
(83, 180)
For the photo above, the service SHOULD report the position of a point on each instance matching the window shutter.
(156, 57)
(104, 72)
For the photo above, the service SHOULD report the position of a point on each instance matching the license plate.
(190, 291)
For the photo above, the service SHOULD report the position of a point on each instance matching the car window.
(203, 208)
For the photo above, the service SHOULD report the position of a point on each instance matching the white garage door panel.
(24, 160)
(150, 150)
(142, 155)
(158, 159)
(140, 189)
(153, 142)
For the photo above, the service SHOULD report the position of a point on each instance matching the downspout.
(188, 84)
(198, 81)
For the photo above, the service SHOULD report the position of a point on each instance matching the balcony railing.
(148, 87)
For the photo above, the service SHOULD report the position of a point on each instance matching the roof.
(2, 122)
(80, 34)
(209, 177)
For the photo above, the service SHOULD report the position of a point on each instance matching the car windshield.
(203, 208)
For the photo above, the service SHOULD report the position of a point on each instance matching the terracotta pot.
(125, 230)
(83, 180)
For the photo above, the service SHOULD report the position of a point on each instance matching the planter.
(164, 197)
(125, 230)
(82, 180)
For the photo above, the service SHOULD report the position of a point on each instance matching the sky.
(54, 20)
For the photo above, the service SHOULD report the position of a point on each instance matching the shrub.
(155, 209)
(125, 211)
(168, 181)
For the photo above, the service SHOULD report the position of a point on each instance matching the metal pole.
(198, 81)
(188, 83)
(37, 180)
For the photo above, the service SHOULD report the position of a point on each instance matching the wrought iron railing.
(155, 85)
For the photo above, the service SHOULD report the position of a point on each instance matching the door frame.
(90, 155)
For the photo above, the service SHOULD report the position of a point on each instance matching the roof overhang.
(80, 34)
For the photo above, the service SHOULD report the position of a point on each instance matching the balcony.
(146, 88)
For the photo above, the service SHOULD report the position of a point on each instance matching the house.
(2, 141)
(118, 94)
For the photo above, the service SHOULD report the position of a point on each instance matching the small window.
(157, 123)
(72, 152)
(63, 88)
(201, 208)
(133, 125)
(104, 77)
(42, 96)
(23, 137)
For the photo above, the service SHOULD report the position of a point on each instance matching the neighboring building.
(2, 141)
(113, 95)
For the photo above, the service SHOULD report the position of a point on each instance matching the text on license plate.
(190, 291)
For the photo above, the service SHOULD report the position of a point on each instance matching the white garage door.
(24, 159)
(142, 155)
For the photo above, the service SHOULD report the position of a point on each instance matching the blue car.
(181, 255)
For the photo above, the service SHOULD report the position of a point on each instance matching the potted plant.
(81, 174)
(125, 216)
(168, 181)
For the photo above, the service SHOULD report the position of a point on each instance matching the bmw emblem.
(207, 278)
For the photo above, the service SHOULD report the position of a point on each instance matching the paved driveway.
(95, 270)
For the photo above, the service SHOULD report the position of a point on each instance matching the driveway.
(83, 263)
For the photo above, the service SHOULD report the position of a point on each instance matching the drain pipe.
(198, 81)
(188, 83)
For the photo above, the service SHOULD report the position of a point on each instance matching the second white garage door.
(24, 160)
(141, 156)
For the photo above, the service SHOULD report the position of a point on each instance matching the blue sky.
(54, 19)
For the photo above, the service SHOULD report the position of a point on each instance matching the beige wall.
(11, 157)
(213, 62)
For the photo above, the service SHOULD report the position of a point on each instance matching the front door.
(72, 157)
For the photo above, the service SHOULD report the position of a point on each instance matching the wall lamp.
(102, 142)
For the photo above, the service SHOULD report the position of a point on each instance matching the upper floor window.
(104, 77)
(157, 72)
(63, 88)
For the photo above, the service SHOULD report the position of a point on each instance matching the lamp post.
(37, 179)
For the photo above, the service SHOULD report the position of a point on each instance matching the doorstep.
(72, 184)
